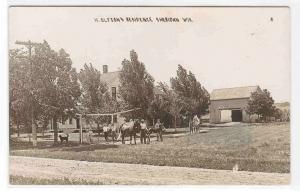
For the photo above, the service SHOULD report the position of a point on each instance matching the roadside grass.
(254, 147)
(21, 180)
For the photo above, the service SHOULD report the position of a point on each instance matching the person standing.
(158, 128)
(196, 123)
(114, 132)
(143, 131)
(90, 135)
(105, 131)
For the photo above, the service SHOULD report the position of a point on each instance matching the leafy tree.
(136, 87)
(261, 103)
(96, 97)
(278, 114)
(19, 97)
(50, 85)
(173, 103)
(194, 96)
(158, 109)
(56, 86)
(92, 87)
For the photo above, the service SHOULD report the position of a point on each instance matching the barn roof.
(233, 93)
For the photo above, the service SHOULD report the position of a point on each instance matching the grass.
(254, 147)
(21, 180)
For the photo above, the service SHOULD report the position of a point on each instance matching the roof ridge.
(111, 72)
(236, 87)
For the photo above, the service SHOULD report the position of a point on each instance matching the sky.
(223, 46)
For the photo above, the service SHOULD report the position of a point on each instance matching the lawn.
(21, 180)
(254, 147)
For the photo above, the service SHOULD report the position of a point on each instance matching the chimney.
(105, 69)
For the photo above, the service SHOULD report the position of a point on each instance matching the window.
(114, 92)
(115, 118)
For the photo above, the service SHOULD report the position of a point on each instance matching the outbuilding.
(229, 104)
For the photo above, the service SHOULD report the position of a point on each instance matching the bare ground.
(118, 173)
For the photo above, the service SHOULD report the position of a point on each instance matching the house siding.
(230, 104)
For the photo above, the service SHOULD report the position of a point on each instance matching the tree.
(96, 97)
(92, 87)
(173, 103)
(194, 96)
(53, 88)
(136, 87)
(19, 97)
(56, 86)
(158, 108)
(278, 114)
(261, 103)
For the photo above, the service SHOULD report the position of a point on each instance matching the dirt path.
(116, 173)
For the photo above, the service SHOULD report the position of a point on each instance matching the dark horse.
(129, 129)
(158, 130)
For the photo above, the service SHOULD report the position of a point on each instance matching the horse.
(158, 130)
(106, 131)
(129, 128)
(195, 125)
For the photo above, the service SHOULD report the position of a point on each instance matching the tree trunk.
(190, 125)
(34, 133)
(98, 128)
(18, 127)
(55, 129)
(43, 130)
(175, 123)
(9, 130)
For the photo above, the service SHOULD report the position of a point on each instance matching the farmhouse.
(112, 81)
(229, 104)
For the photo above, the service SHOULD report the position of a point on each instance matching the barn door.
(237, 115)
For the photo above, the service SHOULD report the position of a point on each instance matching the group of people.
(131, 128)
(112, 129)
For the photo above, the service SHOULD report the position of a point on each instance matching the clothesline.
(107, 114)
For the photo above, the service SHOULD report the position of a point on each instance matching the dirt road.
(116, 173)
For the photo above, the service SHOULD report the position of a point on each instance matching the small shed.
(229, 104)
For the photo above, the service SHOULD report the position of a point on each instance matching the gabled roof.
(233, 93)
(110, 77)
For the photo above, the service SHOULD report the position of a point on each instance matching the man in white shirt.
(105, 131)
(144, 129)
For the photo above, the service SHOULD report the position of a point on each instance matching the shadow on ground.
(89, 147)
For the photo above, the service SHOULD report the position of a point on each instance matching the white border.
(295, 75)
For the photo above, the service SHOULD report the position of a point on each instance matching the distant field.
(260, 147)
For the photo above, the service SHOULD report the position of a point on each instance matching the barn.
(229, 104)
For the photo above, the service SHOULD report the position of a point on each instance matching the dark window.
(77, 123)
(115, 118)
(114, 92)
(70, 121)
